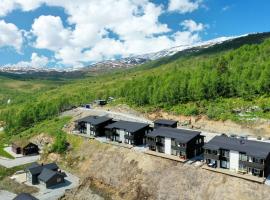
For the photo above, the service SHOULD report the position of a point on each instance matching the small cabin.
(50, 178)
(24, 147)
(165, 123)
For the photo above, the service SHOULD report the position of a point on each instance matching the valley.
(221, 88)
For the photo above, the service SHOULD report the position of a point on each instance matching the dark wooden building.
(34, 170)
(127, 132)
(165, 123)
(93, 125)
(238, 155)
(178, 142)
(50, 178)
(24, 196)
(24, 147)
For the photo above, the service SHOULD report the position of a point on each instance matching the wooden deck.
(235, 174)
(163, 155)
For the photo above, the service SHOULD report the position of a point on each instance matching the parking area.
(6, 195)
(9, 163)
(9, 150)
(44, 193)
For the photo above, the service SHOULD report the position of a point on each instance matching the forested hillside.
(214, 83)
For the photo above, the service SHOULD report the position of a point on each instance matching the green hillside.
(217, 82)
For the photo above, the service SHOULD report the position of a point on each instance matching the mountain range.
(128, 62)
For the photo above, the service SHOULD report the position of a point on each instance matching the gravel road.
(9, 163)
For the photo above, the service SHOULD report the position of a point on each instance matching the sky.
(70, 34)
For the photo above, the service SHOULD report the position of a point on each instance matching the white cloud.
(192, 26)
(86, 37)
(50, 33)
(6, 6)
(35, 62)
(184, 6)
(10, 35)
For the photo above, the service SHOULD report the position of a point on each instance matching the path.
(9, 163)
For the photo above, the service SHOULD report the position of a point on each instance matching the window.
(225, 164)
(243, 157)
(256, 172)
(58, 180)
(225, 153)
(242, 167)
(257, 160)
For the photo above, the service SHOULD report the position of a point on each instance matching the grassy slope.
(48, 103)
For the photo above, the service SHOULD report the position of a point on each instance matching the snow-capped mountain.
(141, 59)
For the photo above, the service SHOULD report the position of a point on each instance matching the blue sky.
(71, 34)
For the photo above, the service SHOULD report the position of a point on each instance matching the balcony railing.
(252, 164)
(211, 156)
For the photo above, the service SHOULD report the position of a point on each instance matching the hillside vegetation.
(215, 83)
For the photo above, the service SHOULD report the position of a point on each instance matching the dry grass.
(15, 187)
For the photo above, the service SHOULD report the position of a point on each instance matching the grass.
(10, 185)
(3, 141)
(49, 127)
(5, 172)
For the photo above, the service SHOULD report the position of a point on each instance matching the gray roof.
(36, 168)
(95, 120)
(251, 148)
(127, 126)
(181, 135)
(47, 174)
(165, 121)
(24, 196)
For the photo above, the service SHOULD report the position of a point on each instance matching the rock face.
(119, 173)
(42, 140)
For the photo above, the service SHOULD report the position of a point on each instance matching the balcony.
(211, 156)
(129, 137)
(177, 148)
(252, 164)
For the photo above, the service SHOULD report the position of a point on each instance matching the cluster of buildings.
(237, 155)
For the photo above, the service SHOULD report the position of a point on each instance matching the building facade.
(93, 125)
(178, 142)
(238, 155)
(127, 132)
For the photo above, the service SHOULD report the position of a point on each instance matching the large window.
(257, 160)
(225, 164)
(243, 157)
(242, 167)
(225, 153)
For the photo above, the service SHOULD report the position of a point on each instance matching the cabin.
(50, 178)
(34, 170)
(127, 132)
(25, 196)
(183, 143)
(93, 125)
(24, 147)
(238, 155)
(165, 123)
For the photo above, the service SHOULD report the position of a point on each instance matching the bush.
(60, 144)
